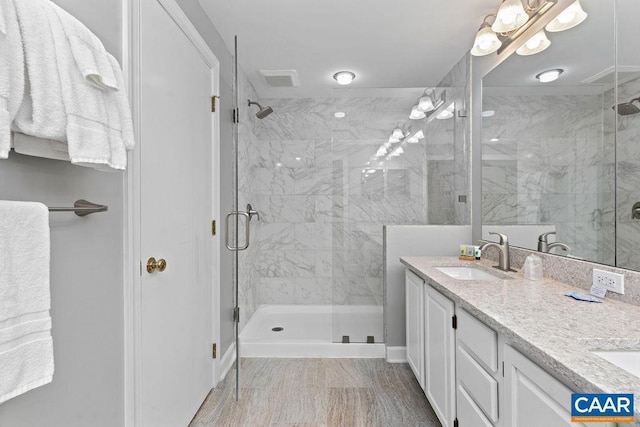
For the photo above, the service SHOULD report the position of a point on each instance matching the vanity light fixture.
(344, 77)
(511, 16)
(568, 18)
(536, 44)
(514, 18)
(549, 75)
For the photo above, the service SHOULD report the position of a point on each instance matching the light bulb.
(397, 134)
(344, 77)
(416, 113)
(510, 16)
(425, 103)
(419, 134)
(549, 75)
(486, 42)
(536, 44)
(568, 18)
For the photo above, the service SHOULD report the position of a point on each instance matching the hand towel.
(11, 72)
(26, 346)
(94, 128)
(88, 51)
(42, 112)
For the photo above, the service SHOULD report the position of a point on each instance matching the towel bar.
(82, 208)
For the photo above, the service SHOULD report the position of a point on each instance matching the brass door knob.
(153, 265)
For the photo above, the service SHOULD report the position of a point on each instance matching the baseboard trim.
(396, 354)
(227, 361)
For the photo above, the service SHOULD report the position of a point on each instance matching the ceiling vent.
(280, 78)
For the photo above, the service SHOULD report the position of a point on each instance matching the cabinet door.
(439, 355)
(534, 398)
(415, 332)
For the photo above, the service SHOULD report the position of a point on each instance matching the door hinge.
(455, 423)
(213, 227)
(236, 115)
(454, 321)
(213, 103)
(236, 314)
(141, 268)
(503, 368)
(214, 351)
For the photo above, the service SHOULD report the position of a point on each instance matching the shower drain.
(277, 329)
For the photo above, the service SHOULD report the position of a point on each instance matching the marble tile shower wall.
(627, 180)
(322, 205)
(552, 164)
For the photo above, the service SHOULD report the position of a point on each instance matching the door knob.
(153, 265)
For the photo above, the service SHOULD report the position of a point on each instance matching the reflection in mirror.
(549, 148)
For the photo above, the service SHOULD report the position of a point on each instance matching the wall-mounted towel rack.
(82, 208)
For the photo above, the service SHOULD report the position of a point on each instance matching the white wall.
(86, 274)
(412, 240)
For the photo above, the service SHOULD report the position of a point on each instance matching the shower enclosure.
(324, 177)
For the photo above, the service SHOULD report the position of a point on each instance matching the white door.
(439, 355)
(176, 139)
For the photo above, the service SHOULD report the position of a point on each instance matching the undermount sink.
(629, 360)
(466, 273)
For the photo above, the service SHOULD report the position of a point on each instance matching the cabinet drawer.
(481, 340)
(469, 415)
(482, 387)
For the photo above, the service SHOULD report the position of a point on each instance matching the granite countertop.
(555, 331)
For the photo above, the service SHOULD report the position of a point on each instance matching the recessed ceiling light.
(494, 139)
(549, 75)
(488, 113)
(344, 77)
(339, 115)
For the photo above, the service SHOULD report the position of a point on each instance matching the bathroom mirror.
(556, 157)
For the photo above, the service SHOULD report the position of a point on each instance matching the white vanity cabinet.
(471, 375)
(414, 290)
(534, 398)
(439, 355)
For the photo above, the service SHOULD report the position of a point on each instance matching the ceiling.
(387, 44)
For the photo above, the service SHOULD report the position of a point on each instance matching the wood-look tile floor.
(318, 392)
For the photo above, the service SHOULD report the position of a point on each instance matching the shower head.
(627, 108)
(263, 112)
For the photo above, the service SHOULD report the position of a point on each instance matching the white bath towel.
(11, 72)
(42, 112)
(88, 51)
(38, 147)
(94, 124)
(26, 346)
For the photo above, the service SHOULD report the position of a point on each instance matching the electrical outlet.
(613, 282)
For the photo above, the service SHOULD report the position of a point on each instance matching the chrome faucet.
(504, 261)
(545, 246)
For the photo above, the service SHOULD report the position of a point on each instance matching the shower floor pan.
(307, 331)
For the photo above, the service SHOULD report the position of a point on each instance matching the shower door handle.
(247, 229)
